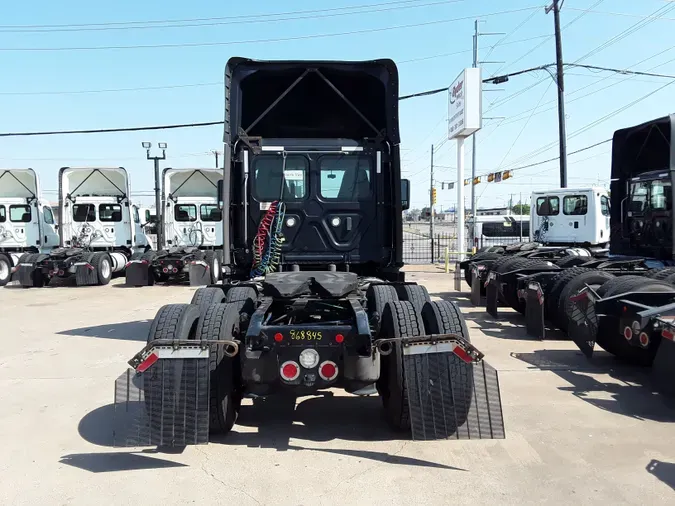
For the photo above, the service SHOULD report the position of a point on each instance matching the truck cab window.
(110, 213)
(650, 195)
(661, 196)
(575, 205)
(604, 205)
(137, 218)
(270, 171)
(548, 206)
(210, 212)
(3, 214)
(49, 215)
(84, 212)
(185, 212)
(345, 177)
(20, 214)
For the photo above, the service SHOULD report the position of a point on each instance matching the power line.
(624, 14)
(261, 41)
(238, 20)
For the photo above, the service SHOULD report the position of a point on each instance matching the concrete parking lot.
(577, 431)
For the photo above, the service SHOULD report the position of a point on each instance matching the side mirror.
(405, 194)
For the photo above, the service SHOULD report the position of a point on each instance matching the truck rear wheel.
(573, 284)
(5, 269)
(206, 296)
(660, 274)
(213, 261)
(103, 268)
(174, 322)
(220, 323)
(378, 296)
(244, 293)
(399, 320)
(443, 317)
(609, 335)
(417, 294)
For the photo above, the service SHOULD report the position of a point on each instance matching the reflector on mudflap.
(452, 392)
(168, 404)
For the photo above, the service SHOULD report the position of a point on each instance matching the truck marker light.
(290, 370)
(328, 370)
(644, 339)
(309, 358)
(339, 338)
(147, 362)
(278, 337)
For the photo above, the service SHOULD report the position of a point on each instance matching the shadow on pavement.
(275, 420)
(111, 462)
(631, 394)
(664, 471)
(127, 331)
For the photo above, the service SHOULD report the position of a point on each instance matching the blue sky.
(36, 86)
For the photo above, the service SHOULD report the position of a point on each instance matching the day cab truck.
(622, 299)
(192, 222)
(313, 296)
(100, 230)
(27, 227)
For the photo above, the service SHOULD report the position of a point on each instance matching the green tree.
(521, 209)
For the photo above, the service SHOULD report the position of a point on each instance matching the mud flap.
(476, 286)
(449, 397)
(492, 295)
(583, 324)
(534, 310)
(138, 273)
(24, 274)
(167, 405)
(663, 367)
(85, 274)
(199, 273)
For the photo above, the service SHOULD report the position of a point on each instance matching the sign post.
(464, 118)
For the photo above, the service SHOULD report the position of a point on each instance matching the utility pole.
(159, 211)
(555, 7)
(431, 202)
(216, 153)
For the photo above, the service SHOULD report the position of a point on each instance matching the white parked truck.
(570, 217)
(27, 225)
(100, 229)
(192, 229)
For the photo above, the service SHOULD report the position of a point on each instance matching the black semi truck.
(313, 295)
(622, 300)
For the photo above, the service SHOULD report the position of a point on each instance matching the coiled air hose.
(268, 241)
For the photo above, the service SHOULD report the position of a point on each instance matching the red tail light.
(644, 339)
(165, 270)
(328, 370)
(290, 370)
(628, 333)
(339, 338)
(278, 337)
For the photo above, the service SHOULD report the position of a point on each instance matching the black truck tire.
(378, 296)
(609, 335)
(174, 322)
(103, 267)
(244, 293)
(660, 274)
(477, 258)
(5, 269)
(571, 261)
(510, 290)
(213, 261)
(417, 294)
(206, 296)
(399, 319)
(220, 323)
(570, 282)
(444, 317)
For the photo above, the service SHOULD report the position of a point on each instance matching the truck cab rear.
(100, 229)
(27, 224)
(192, 225)
(313, 295)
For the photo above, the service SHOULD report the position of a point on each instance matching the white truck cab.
(27, 222)
(570, 216)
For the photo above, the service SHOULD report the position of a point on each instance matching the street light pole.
(159, 210)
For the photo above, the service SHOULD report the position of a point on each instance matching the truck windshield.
(84, 212)
(185, 212)
(270, 171)
(653, 195)
(345, 177)
(210, 212)
(20, 214)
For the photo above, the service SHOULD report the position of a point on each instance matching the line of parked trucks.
(601, 265)
(98, 230)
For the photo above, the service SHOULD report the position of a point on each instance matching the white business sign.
(465, 115)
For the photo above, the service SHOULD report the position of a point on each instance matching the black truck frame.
(313, 295)
(623, 301)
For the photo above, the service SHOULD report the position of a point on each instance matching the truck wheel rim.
(4, 269)
(105, 268)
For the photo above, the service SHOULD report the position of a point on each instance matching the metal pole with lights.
(159, 210)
